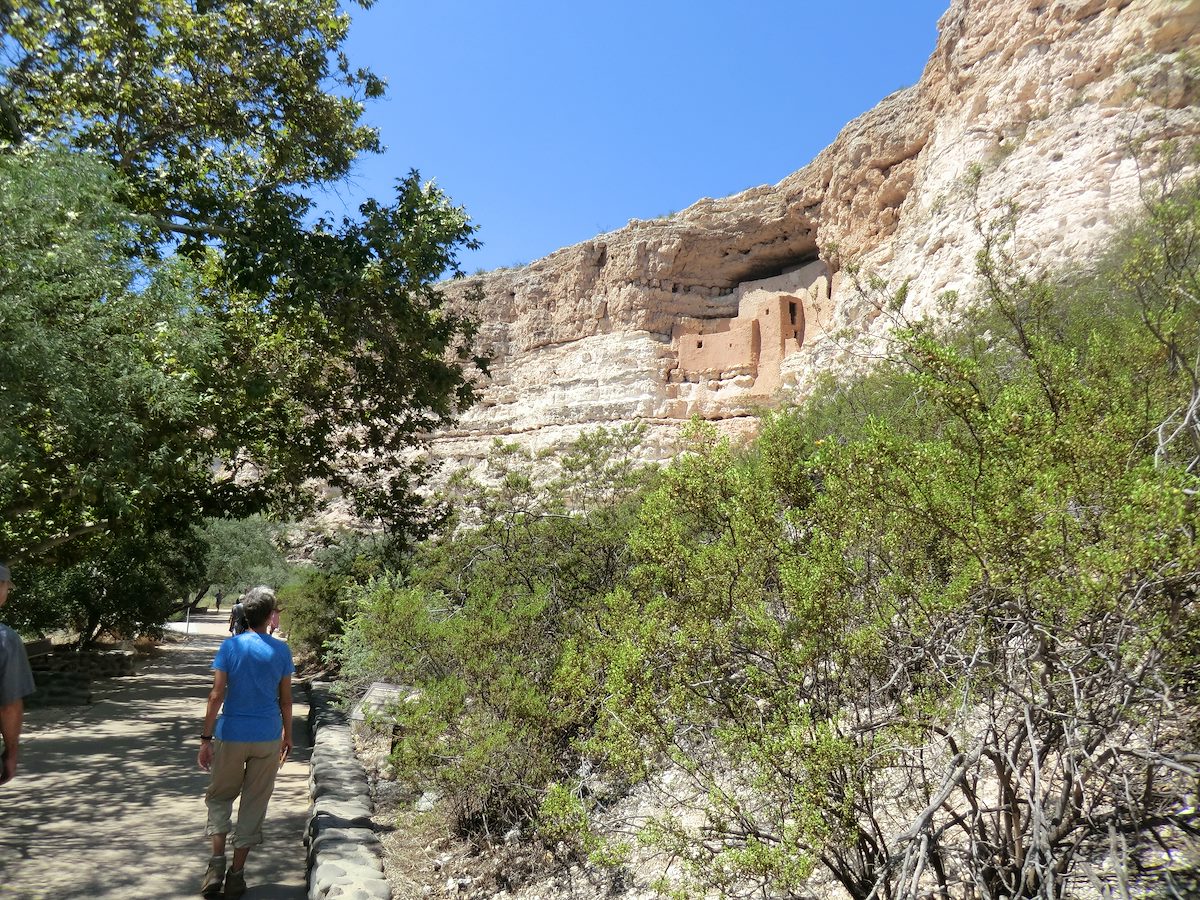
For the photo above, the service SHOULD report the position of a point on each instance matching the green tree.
(219, 120)
(122, 581)
(271, 349)
(340, 356)
(100, 404)
(241, 553)
(218, 115)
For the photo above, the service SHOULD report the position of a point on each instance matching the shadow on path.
(108, 800)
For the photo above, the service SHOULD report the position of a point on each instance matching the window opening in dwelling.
(792, 313)
(699, 344)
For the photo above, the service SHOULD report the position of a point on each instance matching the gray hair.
(5, 575)
(257, 605)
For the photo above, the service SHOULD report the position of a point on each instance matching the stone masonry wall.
(344, 860)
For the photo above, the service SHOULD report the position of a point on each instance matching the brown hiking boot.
(235, 884)
(214, 877)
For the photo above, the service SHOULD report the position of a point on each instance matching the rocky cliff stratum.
(737, 303)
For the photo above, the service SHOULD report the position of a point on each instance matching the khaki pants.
(249, 769)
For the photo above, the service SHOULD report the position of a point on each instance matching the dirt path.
(108, 801)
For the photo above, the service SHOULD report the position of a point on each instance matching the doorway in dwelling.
(796, 320)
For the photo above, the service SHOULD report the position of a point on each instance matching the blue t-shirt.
(255, 664)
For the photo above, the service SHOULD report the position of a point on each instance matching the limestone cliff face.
(1040, 100)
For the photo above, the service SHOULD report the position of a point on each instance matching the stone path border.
(345, 859)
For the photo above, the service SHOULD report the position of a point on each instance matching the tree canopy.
(217, 114)
(99, 353)
(181, 331)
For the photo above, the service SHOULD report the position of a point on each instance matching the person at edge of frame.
(16, 683)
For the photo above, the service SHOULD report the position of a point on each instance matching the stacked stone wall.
(344, 856)
(92, 663)
(59, 689)
(64, 677)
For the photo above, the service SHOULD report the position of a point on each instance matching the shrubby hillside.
(933, 633)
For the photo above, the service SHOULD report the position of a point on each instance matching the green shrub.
(482, 618)
(315, 602)
(931, 633)
(909, 636)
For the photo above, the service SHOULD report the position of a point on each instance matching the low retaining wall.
(344, 856)
(60, 689)
(92, 663)
(64, 677)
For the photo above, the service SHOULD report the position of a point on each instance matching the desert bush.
(932, 634)
(483, 616)
(935, 651)
(315, 600)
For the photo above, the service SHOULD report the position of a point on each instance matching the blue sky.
(554, 121)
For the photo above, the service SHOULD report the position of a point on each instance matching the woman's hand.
(205, 757)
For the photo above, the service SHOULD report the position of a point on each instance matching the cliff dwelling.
(769, 326)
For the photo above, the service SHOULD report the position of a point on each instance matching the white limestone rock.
(1037, 102)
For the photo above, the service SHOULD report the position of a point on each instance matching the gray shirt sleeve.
(16, 680)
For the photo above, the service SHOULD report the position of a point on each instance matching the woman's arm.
(215, 698)
(285, 708)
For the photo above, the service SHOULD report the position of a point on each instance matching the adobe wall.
(780, 322)
(768, 327)
(729, 348)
